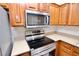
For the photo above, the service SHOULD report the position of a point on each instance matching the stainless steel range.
(39, 44)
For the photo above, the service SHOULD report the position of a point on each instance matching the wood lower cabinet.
(25, 54)
(75, 51)
(54, 14)
(16, 13)
(66, 49)
(74, 14)
(63, 49)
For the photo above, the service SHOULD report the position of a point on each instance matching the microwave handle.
(47, 20)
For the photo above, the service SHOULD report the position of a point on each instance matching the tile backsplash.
(74, 30)
(50, 29)
(46, 29)
(18, 32)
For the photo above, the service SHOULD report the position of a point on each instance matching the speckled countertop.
(21, 46)
(70, 40)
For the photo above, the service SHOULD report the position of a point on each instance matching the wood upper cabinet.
(74, 14)
(75, 51)
(16, 12)
(64, 14)
(4, 5)
(54, 14)
(44, 7)
(31, 6)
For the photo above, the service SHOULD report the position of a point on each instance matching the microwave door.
(46, 20)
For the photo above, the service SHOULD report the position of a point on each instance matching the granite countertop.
(67, 39)
(19, 47)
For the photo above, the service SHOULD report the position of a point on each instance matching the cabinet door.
(74, 14)
(16, 14)
(32, 6)
(63, 49)
(75, 51)
(44, 7)
(54, 14)
(12, 13)
(64, 14)
(22, 14)
(4, 5)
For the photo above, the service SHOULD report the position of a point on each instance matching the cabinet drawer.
(66, 45)
(65, 50)
(75, 54)
(32, 6)
(76, 51)
(63, 53)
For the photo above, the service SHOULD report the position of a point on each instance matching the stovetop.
(39, 42)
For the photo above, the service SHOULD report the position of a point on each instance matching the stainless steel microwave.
(36, 19)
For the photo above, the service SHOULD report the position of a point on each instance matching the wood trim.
(57, 47)
(24, 54)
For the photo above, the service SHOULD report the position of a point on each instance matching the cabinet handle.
(32, 7)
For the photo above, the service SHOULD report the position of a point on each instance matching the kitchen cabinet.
(75, 51)
(59, 14)
(54, 14)
(31, 6)
(44, 7)
(4, 5)
(64, 14)
(63, 49)
(16, 13)
(74, 14)
(25, 54)
(66, 49)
